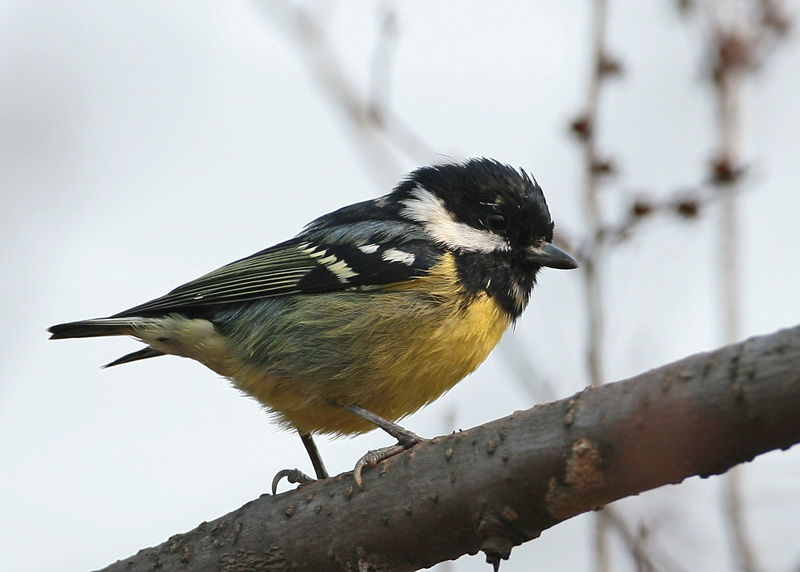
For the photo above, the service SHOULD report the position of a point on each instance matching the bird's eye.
(496, 222)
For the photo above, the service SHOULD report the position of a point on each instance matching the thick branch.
(498, 485)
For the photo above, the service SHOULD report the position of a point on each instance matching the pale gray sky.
(144, 143)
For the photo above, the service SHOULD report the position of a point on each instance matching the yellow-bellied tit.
(371, 312)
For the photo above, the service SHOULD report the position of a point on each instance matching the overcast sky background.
(144, 143)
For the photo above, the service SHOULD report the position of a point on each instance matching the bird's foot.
(406, 440)
(294, 476)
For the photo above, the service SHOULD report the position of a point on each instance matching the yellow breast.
(395, 351)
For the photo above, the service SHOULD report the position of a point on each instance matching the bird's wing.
(301, 265)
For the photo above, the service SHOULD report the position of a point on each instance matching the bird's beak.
(551, 257)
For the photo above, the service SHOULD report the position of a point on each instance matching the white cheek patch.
(429, 210)
(394, 255)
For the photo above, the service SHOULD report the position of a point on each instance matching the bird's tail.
(93, 328)
(105, 327)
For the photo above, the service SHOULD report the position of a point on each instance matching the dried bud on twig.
(605, 167)
(688, 208)
(724, 172)
(641, 207)
(775, 18)
(609, 66)
(734, 53)
(581, 126)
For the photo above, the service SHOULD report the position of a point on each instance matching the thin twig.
(586, 128)
(592, 214)
(636, 541)
(741, 34)
(377, 132)
(734, 55)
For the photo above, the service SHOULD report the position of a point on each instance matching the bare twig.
(585, 128)
(733, 58)
(740, 34)
(636, 540)
(382, 58)
(378, 133)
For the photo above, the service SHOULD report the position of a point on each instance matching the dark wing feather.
(271, 272)
(304, 264)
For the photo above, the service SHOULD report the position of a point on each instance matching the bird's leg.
(298, 476)
(313, 453)
(405, 440)
(403, 436)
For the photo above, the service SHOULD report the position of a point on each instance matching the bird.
(368, 314)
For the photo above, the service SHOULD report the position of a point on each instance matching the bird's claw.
(372, 458)
(295, 476)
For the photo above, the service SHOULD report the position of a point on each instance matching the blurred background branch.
(739, 36)
(378, 133)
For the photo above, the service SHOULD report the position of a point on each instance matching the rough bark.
(501, 484)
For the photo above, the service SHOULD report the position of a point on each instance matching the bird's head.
(493, 217)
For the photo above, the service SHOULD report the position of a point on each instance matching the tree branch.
(498, 485)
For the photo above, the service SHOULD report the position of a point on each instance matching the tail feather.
(106, 327)
(91, 328)
(145, 353)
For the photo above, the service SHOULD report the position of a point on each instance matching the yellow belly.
(399, 352)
